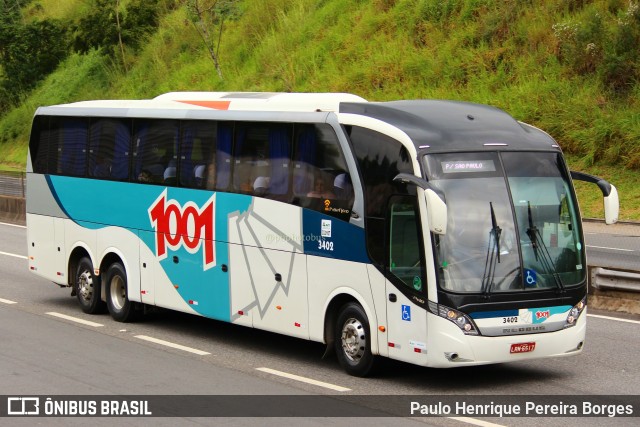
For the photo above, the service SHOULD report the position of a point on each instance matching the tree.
(28, 52)
(109, 28)
(207, 17)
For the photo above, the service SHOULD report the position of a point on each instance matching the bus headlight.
(575, 312)
(463, 321)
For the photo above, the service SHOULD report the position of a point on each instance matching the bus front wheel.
(88, 288)
(120, 308)
(352, 341)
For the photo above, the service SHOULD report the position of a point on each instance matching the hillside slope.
(570, 67)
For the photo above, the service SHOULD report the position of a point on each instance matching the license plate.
(524, 347)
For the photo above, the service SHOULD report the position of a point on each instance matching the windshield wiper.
(497, 231)
(537, 242)
(493, 255)
(532, 231)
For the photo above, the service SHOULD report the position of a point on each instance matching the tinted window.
(197, 154)
(320, 176)
(380, 158)
(109, 148)
(154, 151)
(67, 141)
(39, 145)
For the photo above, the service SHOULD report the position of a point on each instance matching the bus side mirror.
(611, 206)
(436, 212)
(609, 191)
(436, 206)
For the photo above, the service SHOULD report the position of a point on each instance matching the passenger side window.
(219, 173)
(321, 180)
(109, 146)
(380, 159)
(154, 151)
(67, 138)
(40, 144)
(261, 159)
(197, 154)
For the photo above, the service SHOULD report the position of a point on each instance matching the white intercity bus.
(438, 233)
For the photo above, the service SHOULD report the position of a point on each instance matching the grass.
(590, 197)
(509, 54)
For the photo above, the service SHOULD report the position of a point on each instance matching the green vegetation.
(570, 67)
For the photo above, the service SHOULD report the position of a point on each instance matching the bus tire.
(120, 308)
(88, 288)
(352, 341)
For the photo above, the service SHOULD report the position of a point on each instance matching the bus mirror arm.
(609, 191)
(436, 204)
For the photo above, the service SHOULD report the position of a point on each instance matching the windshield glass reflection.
(486, 249)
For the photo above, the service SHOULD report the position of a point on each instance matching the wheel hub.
(353, 339)
(85, 285)
(118, 293)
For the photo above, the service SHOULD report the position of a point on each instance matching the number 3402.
(325, 245)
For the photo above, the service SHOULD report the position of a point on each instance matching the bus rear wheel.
(120, 308)
(352, 341)
(88, 288)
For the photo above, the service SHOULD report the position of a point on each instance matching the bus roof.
(262, 101)
(231, 101)
(454, 125)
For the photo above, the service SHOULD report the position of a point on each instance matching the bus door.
(405, 282)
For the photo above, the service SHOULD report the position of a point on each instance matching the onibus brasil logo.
(184, 226)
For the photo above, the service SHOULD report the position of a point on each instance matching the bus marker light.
(382, 328)
(176, 286)
(297, 325)
(241, 313)
(59, 273)
(278, 307)
(143, 292)
(192, 302)
(391, 344)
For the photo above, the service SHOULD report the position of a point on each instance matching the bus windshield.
(513, 224)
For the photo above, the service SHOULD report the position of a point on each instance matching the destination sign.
(458, 166)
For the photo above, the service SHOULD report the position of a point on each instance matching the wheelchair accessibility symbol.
(530, 278)
(406, 313)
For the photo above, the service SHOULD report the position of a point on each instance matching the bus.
(439, 233)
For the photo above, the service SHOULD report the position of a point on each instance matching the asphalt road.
(613, 246)
(42, 353)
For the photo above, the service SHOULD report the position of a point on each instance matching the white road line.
(475, 422)
(13, 255)
(7, 301)
(172, 345)
(303, 379)
(611, 249)
(74, 319)
(637, 322)
(12, 225)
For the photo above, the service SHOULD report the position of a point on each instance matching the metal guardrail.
(13, 184)
(614, 280)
